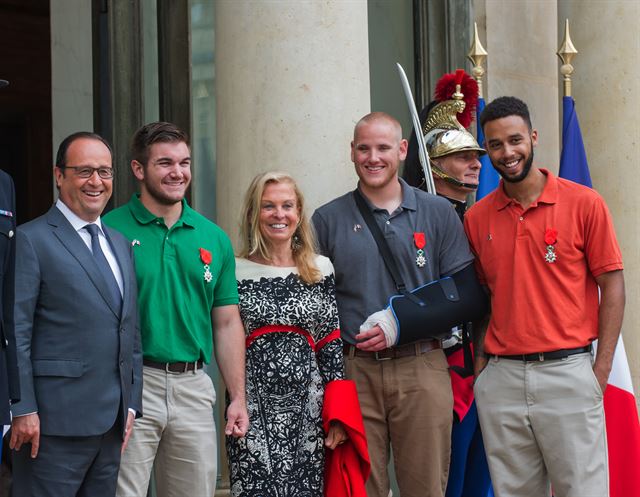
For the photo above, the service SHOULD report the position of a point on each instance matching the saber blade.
(423, 155)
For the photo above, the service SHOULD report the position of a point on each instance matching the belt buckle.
(541, 356)
(168, 371)
(378, 358)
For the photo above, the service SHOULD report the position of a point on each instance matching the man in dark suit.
(77, 335)
(9, 382)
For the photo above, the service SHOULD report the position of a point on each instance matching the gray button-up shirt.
(363, 283)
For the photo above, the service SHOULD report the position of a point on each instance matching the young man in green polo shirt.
(186, 278)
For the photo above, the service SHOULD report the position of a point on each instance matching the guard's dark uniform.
(9, 381)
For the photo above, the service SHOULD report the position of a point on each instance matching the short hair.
(61, 155)
(505, 107)
(156, 132)
(252, 240)
(379, 116)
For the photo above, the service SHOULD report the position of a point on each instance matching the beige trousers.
(406, 402)
(176, 433)
(543, 426)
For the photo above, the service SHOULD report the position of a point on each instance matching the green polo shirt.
(174, 297)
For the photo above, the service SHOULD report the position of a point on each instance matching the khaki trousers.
(543, 426)
(177, 433)
(406, 402)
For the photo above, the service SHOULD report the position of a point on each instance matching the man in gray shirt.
(405, 391)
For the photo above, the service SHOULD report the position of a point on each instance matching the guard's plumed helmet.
(444, 127)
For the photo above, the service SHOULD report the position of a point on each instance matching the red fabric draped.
(347, 467)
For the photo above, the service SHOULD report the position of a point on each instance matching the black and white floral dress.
(293, 350)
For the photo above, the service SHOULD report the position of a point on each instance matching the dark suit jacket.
(79, 357)
(9, 381)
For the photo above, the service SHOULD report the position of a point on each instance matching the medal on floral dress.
(550, 238)
(205, 257)
(420, 242)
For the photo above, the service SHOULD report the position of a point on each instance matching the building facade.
(279, 84)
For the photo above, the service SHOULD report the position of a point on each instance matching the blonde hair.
(254, 243)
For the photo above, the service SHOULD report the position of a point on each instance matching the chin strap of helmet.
(442, 175)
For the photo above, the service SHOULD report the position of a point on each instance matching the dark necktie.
(103, 265)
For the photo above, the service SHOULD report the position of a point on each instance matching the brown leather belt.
(411, 349)
(174, 367)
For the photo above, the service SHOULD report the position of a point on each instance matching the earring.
(296, 242)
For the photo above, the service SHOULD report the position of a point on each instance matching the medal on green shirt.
(206, 258)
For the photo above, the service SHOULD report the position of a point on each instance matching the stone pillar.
(522, 39)
(606, 88)
(71, 70)
(292, 79)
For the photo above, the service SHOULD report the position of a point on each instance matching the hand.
(127, 431)
(237, 419)
(371, 340)
(602, 376)
(479, 363)
(24, 430)
(336, 436)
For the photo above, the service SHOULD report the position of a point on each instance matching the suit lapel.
(71, 240)
(121, 254)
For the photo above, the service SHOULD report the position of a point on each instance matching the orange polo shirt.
(538, 305)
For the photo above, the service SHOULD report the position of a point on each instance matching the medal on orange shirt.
(205, 257)
(420, 242)
(550, 238)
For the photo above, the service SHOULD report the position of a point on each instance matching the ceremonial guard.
(9, 378)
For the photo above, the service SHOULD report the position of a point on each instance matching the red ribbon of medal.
(206, 258)
(420, 241)
(550, 239)
(550, 236)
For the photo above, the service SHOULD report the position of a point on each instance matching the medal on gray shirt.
(420, 242)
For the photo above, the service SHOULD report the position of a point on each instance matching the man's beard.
(522, 175)
(161, 197)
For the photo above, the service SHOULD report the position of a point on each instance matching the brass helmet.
(444, 134)
(441, 142)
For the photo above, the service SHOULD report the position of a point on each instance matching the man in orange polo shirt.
(546, 250)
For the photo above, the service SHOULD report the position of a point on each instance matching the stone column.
(606, 88)
(292, 79)
(71, 70)
(522, 39)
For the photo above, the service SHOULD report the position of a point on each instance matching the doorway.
(25, 105)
